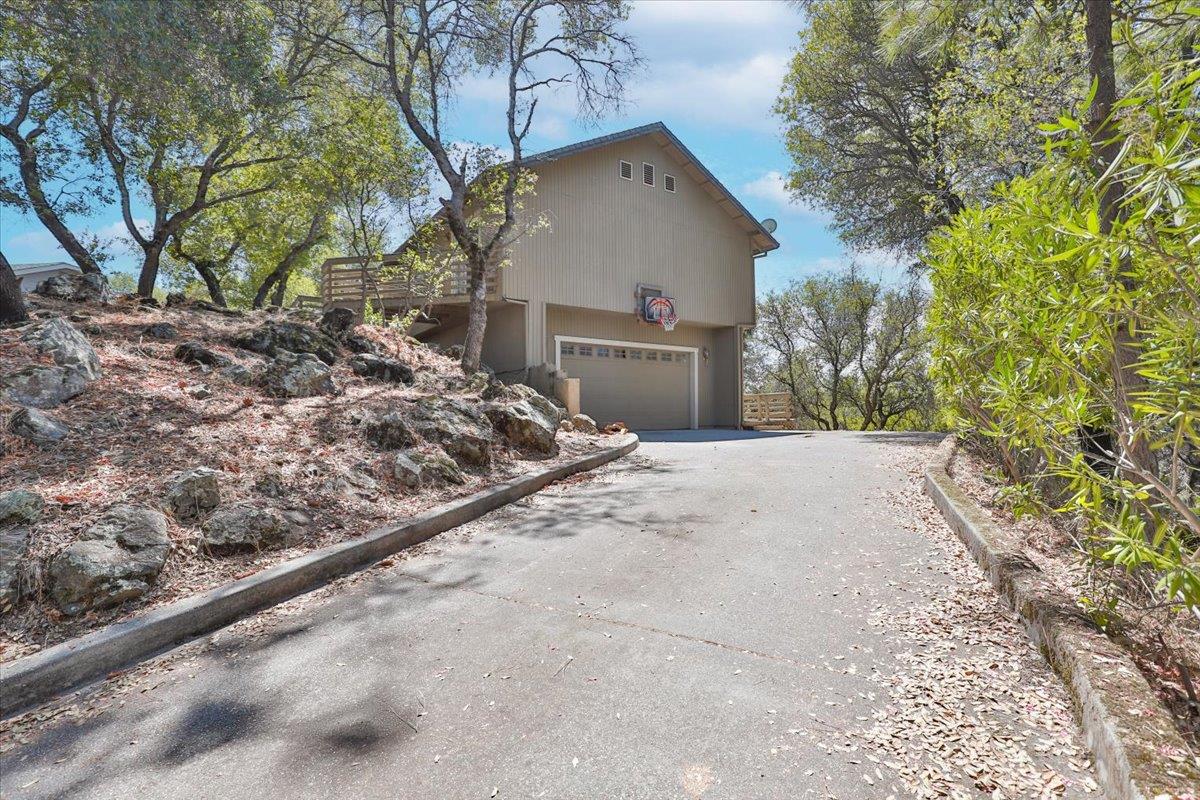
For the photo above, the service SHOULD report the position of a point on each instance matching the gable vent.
(627, 170)
(648, 174)
(669, 183)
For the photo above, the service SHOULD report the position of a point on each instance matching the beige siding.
(503, 342)
(717, 374)
(606, 235)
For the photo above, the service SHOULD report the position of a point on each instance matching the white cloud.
(772, 188)
(731, 95)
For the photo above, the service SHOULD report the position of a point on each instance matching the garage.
(646, 386)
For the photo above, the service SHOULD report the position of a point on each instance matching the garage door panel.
(646, 388)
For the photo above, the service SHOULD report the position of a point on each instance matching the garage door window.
(635, 355)
(601, 352)
(652, 355)
(585, 350)
(568, 349)
(620, 352)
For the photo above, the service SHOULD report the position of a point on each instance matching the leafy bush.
(1032, 298)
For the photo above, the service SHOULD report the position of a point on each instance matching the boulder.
(236, 373)
(243, 526)
(390, 431)
(161, 330)
(115, 560)
(297, 375)
(336, 323)
(20, 506)
(408, 471)
(198, 391)
(68, 347)
(37, 426)
(357, 343)
(385, 369)
(193, 492)
(461, 429)
(14, 544)
(437, 464)
(525, 425)
(195, 353)
(584, 424)
(357, 481)
(42, 387)
(566, 426)
(88, 287)
(272, 338)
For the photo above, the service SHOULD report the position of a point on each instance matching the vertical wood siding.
(606, 235)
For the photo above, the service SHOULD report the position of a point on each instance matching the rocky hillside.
(149, 453)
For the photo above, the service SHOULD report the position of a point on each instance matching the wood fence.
(771, 411)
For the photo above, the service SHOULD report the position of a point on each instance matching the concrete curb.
(1138, 752)
(31, 680)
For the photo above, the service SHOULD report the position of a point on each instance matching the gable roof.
(31, 268)
(761, 238)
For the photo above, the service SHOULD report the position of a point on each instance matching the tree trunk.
(476, 321)
(32, 179)
(209, 275)
(12, 305)
(1125, 341)
(280, 288)
(149, 274)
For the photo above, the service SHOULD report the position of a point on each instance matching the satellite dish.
(769, 225)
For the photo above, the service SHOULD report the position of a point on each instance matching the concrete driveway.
(691, 622)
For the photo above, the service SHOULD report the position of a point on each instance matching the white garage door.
(647, 388)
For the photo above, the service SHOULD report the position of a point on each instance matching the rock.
(192, 492)
(385, 369)
(355, 482)
(176, 299)
(455, 352)
(42, 387)
(115, 560)
(437, 464)
(195, 353)
(357, 343)
(408, 471)
(68, 347)
(478, 383)
(584, 424)
(236, 373)
(336, 323)
(297, 520)
(297, 375)
(243, 526)
(37, 426)
(458, 426)
(14, 544)
(566, 426)
(199, 391)
(161, 330)
(20, 506)
(390, 431)
(273, 337)
(525, 425)
(88, 287)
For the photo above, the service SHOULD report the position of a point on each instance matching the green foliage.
(852, 352)
(1029, 295)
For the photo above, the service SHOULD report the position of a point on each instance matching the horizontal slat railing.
(349, 281)
(772, 410)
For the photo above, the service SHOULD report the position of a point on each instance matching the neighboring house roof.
(42, 266)
(763, 240)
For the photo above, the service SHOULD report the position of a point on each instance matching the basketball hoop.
(661, 310)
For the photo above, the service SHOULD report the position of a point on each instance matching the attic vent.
(627, 170)
(669, 183)
(647, 174)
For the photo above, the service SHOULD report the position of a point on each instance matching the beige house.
(631, 215)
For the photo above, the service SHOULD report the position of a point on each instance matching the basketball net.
(668, 320)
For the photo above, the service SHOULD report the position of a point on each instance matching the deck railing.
(768, 411)
(355, 282)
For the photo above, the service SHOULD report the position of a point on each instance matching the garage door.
(644, 387)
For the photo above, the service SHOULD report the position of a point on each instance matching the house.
(31, 275)
(632, 216)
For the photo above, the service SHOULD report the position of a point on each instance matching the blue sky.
(712, 72)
